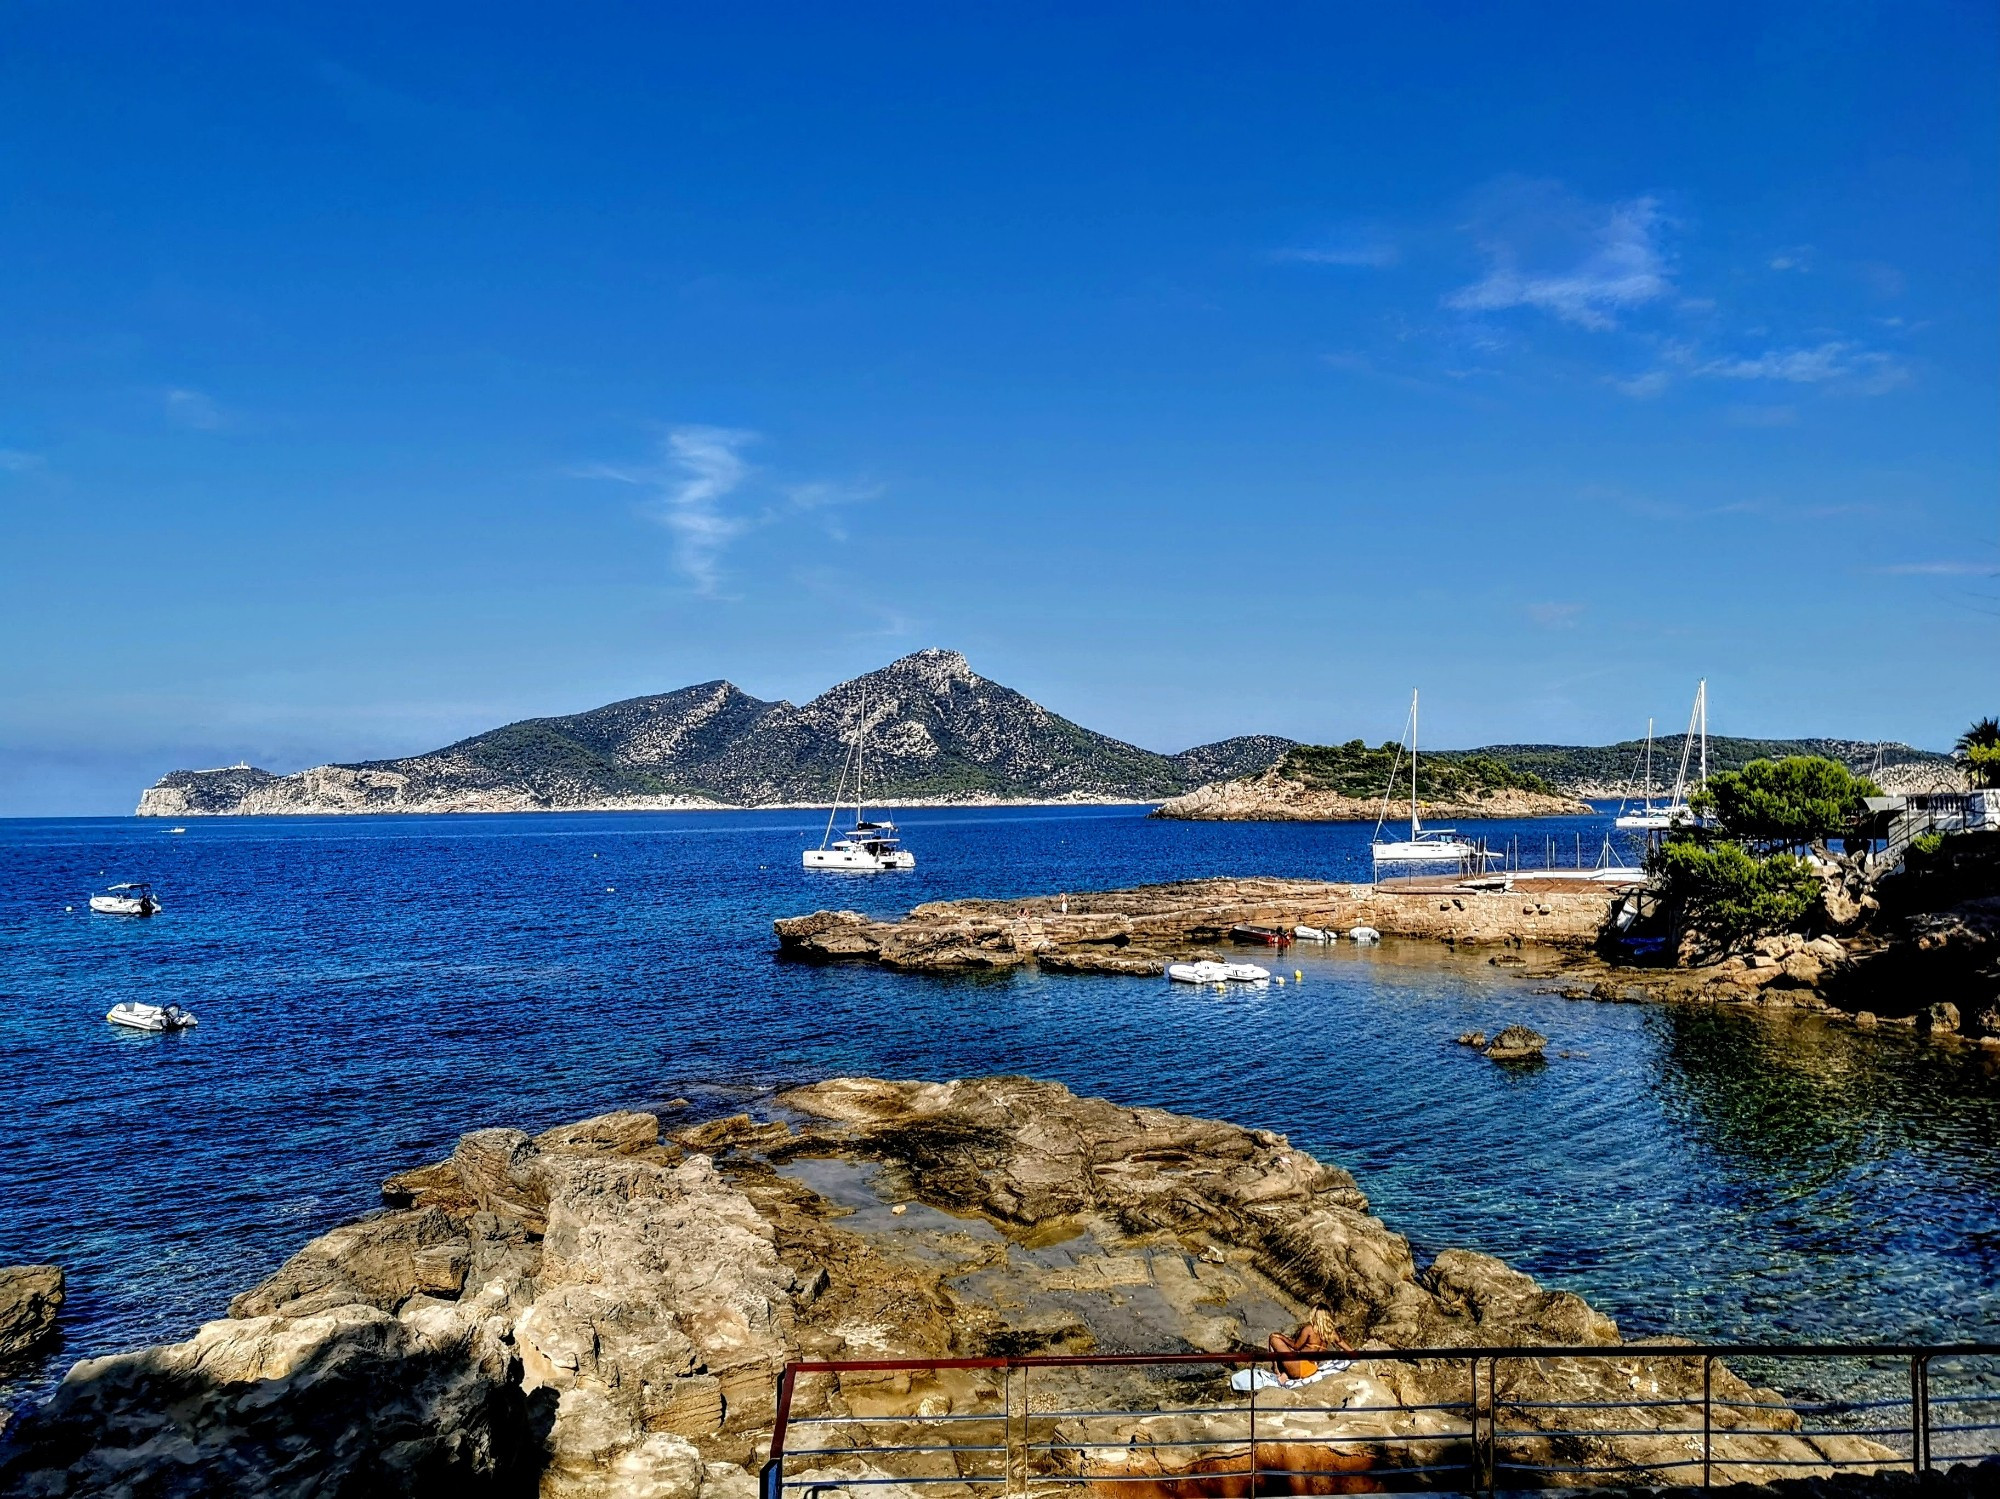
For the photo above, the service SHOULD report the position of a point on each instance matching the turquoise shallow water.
(369, 988)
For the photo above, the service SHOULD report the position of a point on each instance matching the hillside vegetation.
(1354, 769)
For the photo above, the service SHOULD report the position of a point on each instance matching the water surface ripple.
(369, 988)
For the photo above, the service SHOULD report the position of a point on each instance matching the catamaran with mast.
(868, 846)
(1424, 845)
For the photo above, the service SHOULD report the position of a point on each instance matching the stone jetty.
(600, 1310)
(1141, 930)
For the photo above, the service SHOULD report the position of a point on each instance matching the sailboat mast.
(1413, 764)
(1701, 697)
(1649, 765)
(860, 749)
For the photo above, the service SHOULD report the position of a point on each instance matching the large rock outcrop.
(598, 1311)
(30, 1298)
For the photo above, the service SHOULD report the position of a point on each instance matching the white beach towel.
(1244, 1380)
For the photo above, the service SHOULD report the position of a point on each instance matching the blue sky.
(373, 375)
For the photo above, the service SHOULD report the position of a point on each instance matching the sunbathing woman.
(1316, 1334)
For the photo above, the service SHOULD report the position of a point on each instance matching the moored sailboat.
(1424, 845)
(869, 846)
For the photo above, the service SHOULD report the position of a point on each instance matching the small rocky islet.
(602, 1309)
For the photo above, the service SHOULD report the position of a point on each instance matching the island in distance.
(938, 733)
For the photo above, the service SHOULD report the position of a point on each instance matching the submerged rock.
(30, 1298)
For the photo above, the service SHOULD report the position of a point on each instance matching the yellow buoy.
(1298, 975)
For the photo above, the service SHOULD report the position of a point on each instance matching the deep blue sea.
(368, 988)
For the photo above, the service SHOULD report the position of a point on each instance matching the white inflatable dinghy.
(1364, 934)
(140, 1017)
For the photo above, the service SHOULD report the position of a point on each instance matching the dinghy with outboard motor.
(143, 1017)
(134, 898)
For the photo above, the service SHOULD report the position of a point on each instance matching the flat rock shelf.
(1141, 930)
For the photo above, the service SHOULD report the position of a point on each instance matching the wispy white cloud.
(191, 408)
(1556, 616)
(1839, 364)
(1366, 253)
(1645, 387)
(1798, 258)
(1939, 569)
(1614, 262)
(1835, 360)
(1761, 416)
(702, 493)
(15, 461)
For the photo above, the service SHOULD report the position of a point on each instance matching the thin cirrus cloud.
(1939, 569)
(1370, 253)
(1555, 615)
(1815, 366)
(191, 408)
(15, 461)
(1838, 364)
(701, 491)
(1610, 263)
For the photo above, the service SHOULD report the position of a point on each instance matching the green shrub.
(1727, 894)
(1927, 844)
(1799, 799)
(1983, 762)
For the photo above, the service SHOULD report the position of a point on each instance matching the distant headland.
(938, 734)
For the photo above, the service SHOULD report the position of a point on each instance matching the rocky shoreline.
(1275, 797)
(601, 1310)
(1140, 931)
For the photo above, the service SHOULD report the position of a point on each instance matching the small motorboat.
(1245, 973)
(143, 1017)
(1364, 934)
(1314, 934)
(176, 830)
(1259, 936)
(134, 898)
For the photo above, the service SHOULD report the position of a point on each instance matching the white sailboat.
(867, 847)
(1677, 811)
(1648, 816)
(1424, 845)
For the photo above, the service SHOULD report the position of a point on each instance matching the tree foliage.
(1353, 769)
(1729, 894)
(1799, 799)
(1984, 734)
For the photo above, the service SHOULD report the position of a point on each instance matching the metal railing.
(1036, 1424)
